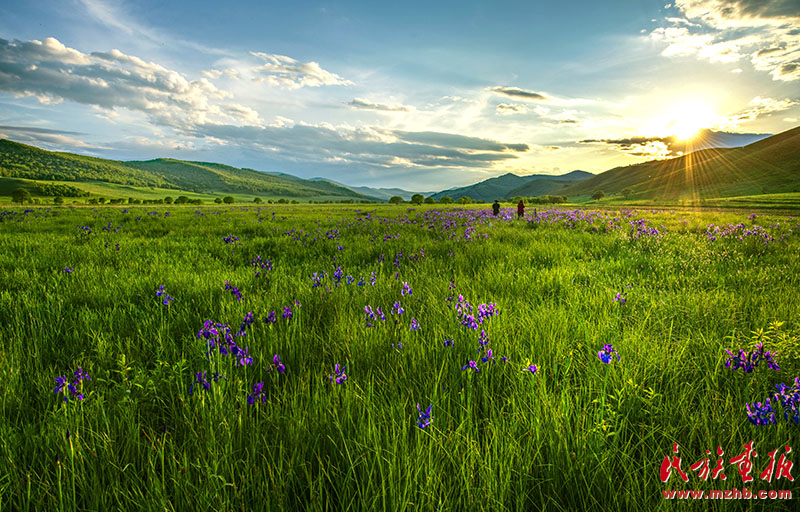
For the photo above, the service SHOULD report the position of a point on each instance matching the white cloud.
(765, 31)
(51, 72)
(507, 109)
(286, 72)
(360, 103)
(757, 107)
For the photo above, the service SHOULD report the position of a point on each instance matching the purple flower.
(287, 312)
(71, 389)
(234, 290)
(483, 339)
(531, 368)
(414, 324)
(244, 359)
(488, 357)
(620, 298)
(397, 308)
(748, 361)
(406, 289)
(761, 413)
(258, 392)
(204, 381)
(448, 342)
(607, 352)
(277, 364)
(68, 270)
(471, 364)
(338, 376)
(165, 298)
(271, 319)
(424, 417)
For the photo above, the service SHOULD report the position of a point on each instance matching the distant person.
(520, 209)
(496, 208)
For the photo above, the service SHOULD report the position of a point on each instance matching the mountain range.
(770, 164)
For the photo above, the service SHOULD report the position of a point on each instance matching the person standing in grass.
(496, 208)
(520, 209)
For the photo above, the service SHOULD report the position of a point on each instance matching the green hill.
(769, 166)
(40, 168)
(510, 185)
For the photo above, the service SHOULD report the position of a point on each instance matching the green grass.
(580, 435)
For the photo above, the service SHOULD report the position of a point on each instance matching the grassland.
(79, 290)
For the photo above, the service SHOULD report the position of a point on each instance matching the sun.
(685, 119)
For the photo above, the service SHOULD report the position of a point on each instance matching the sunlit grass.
(500, 439)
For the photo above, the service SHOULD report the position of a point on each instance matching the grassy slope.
(771, 165)
(19, 161)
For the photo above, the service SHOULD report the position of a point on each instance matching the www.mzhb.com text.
(730, 494)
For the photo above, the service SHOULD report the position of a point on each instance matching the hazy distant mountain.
(378, 193)
(771, 165)
(510, 185)
(31, 163)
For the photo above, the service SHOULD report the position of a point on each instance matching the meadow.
(339, 357)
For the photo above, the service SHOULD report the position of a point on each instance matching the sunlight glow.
(686, 118)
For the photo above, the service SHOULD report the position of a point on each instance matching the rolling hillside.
(510, 185)
(19, 161)
(769, 166)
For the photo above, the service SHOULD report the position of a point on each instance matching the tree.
(58, 200)
(445, 200)
(464, 200)
(257, 200)
(395, 199)
(430, 200)
(626, 193)
(20, 195)
(228, 200)
(598, 194)
(417, 199)
(218, 200)
(182, 200)
(169, 200)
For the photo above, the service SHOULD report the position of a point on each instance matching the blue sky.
(420, 95)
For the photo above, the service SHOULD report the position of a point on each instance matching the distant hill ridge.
(770, 165)
(28, 162)
(510, 185)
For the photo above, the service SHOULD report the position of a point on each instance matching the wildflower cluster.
(204, 381)
(72, 389)
(219, 336)
(474, 317)
(231, 240)
(789, 397)
(260, 265)
(748, 361)
(234, 290)
(620, 297)
(640, 229)
(165, 297)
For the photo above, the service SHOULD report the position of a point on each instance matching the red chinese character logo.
(703, 465)
(745, 465)
(667, 466)
(718, 469)
(784, 466)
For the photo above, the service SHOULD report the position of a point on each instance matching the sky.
(419, 95)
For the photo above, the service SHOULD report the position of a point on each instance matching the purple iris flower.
(424, 417)
(607, 352)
